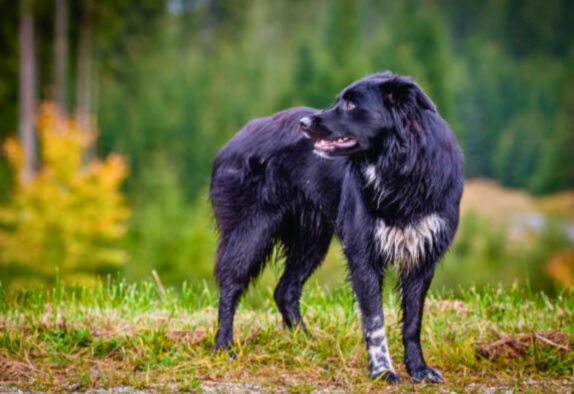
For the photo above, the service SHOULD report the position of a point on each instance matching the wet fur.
(393, 199)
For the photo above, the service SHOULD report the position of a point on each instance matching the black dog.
(391, 193)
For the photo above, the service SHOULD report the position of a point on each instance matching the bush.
(71, 216)
(483, 255)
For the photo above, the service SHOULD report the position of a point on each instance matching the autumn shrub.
(69, 220)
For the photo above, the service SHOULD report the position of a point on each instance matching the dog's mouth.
(325, 145)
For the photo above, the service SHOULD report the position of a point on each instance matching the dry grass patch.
(165, 343)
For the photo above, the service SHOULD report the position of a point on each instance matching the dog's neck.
(392, 188)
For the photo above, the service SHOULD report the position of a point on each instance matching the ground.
(141, 338)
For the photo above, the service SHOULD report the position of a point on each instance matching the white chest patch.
(406, 246)
(372, 179)
(370, 173)
(322, 155)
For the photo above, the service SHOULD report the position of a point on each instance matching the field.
(142, 336)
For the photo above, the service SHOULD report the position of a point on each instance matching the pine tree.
(556, 169)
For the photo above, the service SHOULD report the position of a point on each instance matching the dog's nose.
(305, 123)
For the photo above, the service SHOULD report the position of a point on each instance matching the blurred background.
(111, 112)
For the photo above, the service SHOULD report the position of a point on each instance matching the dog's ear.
(404, 93)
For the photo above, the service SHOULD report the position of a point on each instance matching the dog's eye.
(349, 105)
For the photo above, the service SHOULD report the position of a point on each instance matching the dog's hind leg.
(241, 256)
(414, 286)
(305, 248)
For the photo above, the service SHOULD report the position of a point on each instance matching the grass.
(135, 335)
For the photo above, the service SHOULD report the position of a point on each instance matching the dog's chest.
(407, 246)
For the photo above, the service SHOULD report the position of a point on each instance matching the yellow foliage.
(561, 268)
(72, 215)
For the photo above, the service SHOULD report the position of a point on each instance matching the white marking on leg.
(380, 332)
(406, 246)
(378, 350)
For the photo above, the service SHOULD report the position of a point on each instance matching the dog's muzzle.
(305, 123)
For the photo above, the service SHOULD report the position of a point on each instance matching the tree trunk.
(211, 18)
(83, 84)
(27, 92)
(60, 55)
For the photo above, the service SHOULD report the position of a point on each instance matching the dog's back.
(268, 187)
(269, 165)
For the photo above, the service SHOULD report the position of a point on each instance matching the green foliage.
(556, 170)
(8, 70)
(483, 255)
(174, 82)
(216, 66)
(194, 72)
(167, 234)
(518, 148)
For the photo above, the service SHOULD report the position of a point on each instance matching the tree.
(60, 54)
(556, 169)
(84, 67)
(27, 91)
(518, 151)
(9, 68)
(342, 36)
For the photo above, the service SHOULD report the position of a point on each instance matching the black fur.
(397, 167)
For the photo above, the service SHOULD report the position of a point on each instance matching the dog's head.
(366, 113)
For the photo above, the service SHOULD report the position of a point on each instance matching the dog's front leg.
(414, 286)
(367, 284)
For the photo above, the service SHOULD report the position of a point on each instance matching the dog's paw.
(303, 330)
(426, 374)
(224, 345)
(298, 326)
(386, 375)
(224, 349)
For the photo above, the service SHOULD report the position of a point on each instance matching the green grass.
(133, 334)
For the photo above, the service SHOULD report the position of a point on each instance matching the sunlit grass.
(138, 335)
